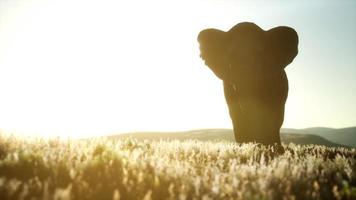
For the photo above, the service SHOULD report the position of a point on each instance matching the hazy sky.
(81, 67)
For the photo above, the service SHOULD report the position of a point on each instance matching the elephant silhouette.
(251, 62)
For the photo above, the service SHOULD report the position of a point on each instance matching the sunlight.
(89, 69)
(79, 68)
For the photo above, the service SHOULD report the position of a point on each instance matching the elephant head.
(247, 50)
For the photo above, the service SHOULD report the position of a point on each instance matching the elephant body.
(251, 62)
(257, 112)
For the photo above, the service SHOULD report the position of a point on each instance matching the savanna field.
(104, 168)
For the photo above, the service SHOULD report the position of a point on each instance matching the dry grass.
(130, 169)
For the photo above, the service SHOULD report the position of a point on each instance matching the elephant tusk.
(234, 87)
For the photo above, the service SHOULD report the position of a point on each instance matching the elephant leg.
(253, 119)
(240, 122)
(272, 121)
(236, 115)
(273, 101)
(238, 127)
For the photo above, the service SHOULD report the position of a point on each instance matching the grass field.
(171, 169)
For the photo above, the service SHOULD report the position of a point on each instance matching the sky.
(81, 68)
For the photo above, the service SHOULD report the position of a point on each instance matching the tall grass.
(169, 169)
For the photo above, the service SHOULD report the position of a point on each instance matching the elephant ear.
(282, 46)
(213, 44)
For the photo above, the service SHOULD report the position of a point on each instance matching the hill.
(344, 136)
(224, 135)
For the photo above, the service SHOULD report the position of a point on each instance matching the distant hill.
(201, 134)
(304, 139)
(344, 136)
(225, 134)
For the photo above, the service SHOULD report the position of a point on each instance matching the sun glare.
(76, 68)
(80, 68)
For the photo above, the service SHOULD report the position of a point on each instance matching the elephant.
(251, 61)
